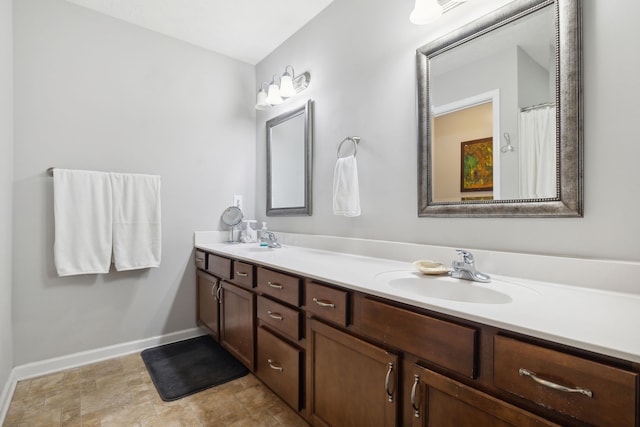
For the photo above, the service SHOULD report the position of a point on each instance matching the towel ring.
(354, 139)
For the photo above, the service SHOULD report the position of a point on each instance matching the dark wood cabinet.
(333, 355)
(208, 303)
(237, 322)
(350, 382)
(437, 400)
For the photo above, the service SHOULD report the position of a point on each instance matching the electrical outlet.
(237, 201)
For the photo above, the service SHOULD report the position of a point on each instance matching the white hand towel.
(346, 192)
(82, 207)
(136, 221)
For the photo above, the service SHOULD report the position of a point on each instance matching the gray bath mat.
(187, 367)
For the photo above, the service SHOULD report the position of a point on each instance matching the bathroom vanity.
(326, 333)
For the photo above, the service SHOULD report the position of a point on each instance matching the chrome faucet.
(466, 269)
(269, 237)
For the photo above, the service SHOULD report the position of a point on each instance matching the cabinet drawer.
(284, 319)
(532, 372)
(279, 285)
(243, 274)
(201, 258)
(446, 344)
(328, 303)
(219, 266)
(278, 365)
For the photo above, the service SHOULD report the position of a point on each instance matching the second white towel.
(136, 221)
(346, 190)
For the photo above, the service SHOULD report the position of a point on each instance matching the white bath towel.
(346, 192)
(136, 221)
(82, 207)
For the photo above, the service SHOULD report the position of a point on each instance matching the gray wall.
(6, 167)
(92, 92)
(363, 83)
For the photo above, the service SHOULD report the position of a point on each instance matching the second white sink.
(448, 288)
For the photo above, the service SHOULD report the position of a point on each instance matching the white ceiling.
(247, 30)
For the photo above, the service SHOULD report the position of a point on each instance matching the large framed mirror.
(500, 115)
(289, 149)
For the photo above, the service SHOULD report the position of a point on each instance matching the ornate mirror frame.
(569, 155)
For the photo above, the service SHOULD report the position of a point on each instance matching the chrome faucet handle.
(467, 256)
(270, 238)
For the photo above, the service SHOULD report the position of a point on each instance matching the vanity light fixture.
(427, 11)
(286, 83)
(261, 103)
(273, 96)
(289, 86)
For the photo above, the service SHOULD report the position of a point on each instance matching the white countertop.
(597, 320)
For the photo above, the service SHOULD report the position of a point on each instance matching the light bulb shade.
(261, 102)
(425, 11)
(273, 97)
(286, 86)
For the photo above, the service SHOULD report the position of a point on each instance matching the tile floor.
(119, 392)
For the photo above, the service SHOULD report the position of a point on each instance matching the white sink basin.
(447, 288)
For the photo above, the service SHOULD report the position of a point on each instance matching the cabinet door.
(208, 306)
(440, 401)
(237, 319)
(350, 382)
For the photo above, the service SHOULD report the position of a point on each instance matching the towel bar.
(354, 139)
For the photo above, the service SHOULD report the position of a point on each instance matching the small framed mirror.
(289, 150)
(500, 115)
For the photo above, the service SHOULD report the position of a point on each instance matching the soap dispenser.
(262, 231)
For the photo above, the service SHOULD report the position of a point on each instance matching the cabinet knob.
(324, 303)
(275, 285)
(387, 381)
(275, 365)
(554, 386)
(414, 405)
(274, 315)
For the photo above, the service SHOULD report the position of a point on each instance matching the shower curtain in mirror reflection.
(537, 158)
(98, 215)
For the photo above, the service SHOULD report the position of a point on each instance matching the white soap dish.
(431, 267)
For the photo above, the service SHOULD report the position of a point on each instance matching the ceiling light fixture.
(290, 85)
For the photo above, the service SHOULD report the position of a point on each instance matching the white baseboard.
(7, 393)
(48, 366)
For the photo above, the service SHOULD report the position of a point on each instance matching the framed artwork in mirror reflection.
(476, 165)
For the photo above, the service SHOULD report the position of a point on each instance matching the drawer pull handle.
(550, 384)
(275, 365)
(199, 259)
(241, 274)
(324, 303)
(387, 380)
(416, 408)
(274, 315)
(275, 285)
